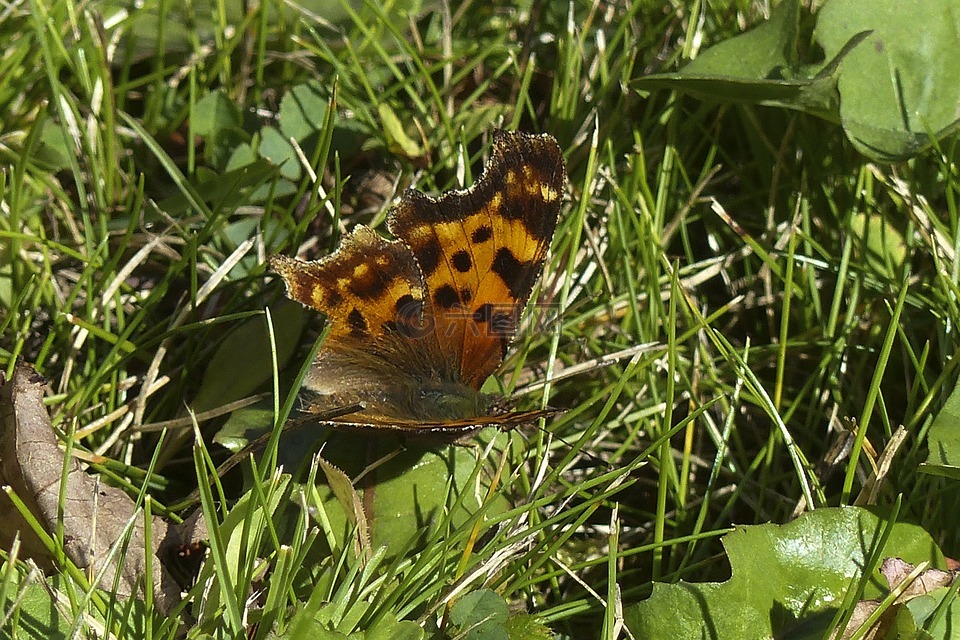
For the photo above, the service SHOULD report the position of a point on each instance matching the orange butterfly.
(420, 322)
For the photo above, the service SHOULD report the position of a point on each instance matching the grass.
(767, 292)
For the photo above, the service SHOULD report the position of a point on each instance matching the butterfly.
(418, 323)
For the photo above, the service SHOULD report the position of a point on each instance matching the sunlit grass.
(728, 314)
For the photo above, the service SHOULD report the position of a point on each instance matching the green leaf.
(217, 118)
(784, 578)
(245, 425)
(213, 113)
(302, 111)
(389, 628)
(897, 91)
(348, 497)
(414, 488)
(276, 148)
(480, 615)
(884, 81)
(943, 439)
(882, 244)
(921, 612)
(38, 614)
(242, 156)
(410, 487)
(759, 67)
(765, 52)
(55, 147)
(523, 626)
(249, 514)
(226, 190)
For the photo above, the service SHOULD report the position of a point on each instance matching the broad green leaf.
(217, 118)
(242, 156)
(407, 485)
(882, 244)
(248, 515)
(307, 623)
(921, 613)
(227, 190)
(768, 51)
(397, 139)
(523, 626)
(302, 110)
(389, 628)
(276, 148)
(349, 499)
(55, 147)
(215, 112)
(786, 579)
(38, 614)
(245, 425)
(759, 67)
(898, 90)
(415, 488)
(884, 78)
(943, 439)
(480, 615)
(6, 288)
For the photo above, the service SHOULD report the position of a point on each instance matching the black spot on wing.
(483, 313)
(333, 297)
(356, 321)
(428, 256)
(481, 234)
(515, 274)
(369, 286)
(407, 306)
(446, 297)
(409, 322)
(461, 261)
(500, 320)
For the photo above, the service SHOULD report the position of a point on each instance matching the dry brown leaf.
(896, 571)
(95, 515)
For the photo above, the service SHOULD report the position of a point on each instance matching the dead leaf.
(94, 516)
(896, 571)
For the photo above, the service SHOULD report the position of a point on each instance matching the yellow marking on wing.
(420, 233)
(548, 193)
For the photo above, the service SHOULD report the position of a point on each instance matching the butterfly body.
(420, 322)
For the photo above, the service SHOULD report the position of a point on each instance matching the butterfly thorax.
(449, 401)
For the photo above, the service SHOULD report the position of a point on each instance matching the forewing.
(480, 251)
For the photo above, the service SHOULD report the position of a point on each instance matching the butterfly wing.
(369, 288)
(372, 293)
(481, 250)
